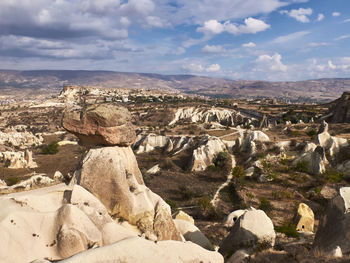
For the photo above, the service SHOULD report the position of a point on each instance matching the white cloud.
(290, 37)
(346, 20)
(250, 26)
(331, 65)
(300, 14)
(211, 26)
(342, 37)
(320, 17)
(273, 62)
(193, 67)
(335, 14)
(154, 21)
(215, 49)
(318, 44)
(250, 44)
(213, 68)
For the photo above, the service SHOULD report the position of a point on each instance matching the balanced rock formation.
(334, 227)
(252, 228)
(111, 173)
(305, 218)
(102, 124)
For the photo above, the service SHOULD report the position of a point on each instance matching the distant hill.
(321, 90)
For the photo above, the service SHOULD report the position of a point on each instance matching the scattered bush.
(239, 176)
(173, 205)
(265, 205)
(12, 180)
(187, 193)
(302, 166)
(333, 176)
(221, 159)
(52, 148)
(289, 229)
(312, 134)
(204, 203)
(167, 164)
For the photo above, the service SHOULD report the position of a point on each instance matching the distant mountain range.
(320, 90)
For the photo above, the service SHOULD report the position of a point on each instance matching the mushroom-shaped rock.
(334, 227)
(252, 228)
(305, 218)
(103, 124)
(193, 234)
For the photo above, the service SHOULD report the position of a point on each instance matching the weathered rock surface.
(184, 216)
(147, 251)
(333, 230)
(315, 159)
(193, 234)
(103, 124)
(37, 180)
(251, 228)
(247, 142)
(305, 218)
(203, 155)
(53, 222)
(113, 176)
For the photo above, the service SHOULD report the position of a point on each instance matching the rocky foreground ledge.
(105, 214)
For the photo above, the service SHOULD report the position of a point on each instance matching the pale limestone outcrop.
(22, 140)
(204, 154)
(218, 115)
(153, 170)
(138, 250)
(102, 124)
(315, 159)
(18, 160)
(54, 222)
(191, 233)
(305, 218)
(247, 142)
(251, 228)
(148, 142)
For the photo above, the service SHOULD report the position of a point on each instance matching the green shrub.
(289, 229)
(187, 193)
(333, 176)
(173, 205)
(265, 205)
(302, 166)
(52, 148)
(238, 176)
(204, 203)
(312, 133)
(221, 159)
(12, 180)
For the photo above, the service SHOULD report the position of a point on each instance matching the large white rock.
(138, 250)
(314, 158)
(193, 234)
(22, 140)
(252, 228)
(230, 220)
(18, 160)
(203, 155)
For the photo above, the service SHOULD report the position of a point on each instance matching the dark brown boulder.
(103, 124)
(341, 109)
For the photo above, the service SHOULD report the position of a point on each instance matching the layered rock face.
(341, 109)
(222, 116)
(104, 124)
(111, 173)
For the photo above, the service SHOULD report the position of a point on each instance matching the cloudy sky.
(237, 39)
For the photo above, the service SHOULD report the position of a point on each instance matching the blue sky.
(236, 39)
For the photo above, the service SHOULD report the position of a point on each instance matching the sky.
(279, 40)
